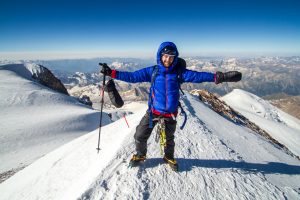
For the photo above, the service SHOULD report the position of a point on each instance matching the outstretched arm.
(197, 77)
(218, 77)
(142, 75)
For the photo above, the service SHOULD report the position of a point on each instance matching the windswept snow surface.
(280, 125)
(34, 119)
(217, 160)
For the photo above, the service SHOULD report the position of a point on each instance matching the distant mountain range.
(261, 76)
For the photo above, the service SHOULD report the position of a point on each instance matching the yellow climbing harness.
(161, 134)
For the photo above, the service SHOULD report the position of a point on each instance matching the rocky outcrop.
(46, 78)
(85, 100)
(9, 173)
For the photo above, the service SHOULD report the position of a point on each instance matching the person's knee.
(141, 135)
(170, 142)
(137, 136)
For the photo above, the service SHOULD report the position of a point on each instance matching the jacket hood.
(158, 55)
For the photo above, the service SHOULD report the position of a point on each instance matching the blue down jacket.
(165, 89)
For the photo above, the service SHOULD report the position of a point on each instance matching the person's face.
(167, 60)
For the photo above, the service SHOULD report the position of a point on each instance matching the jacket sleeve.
(197, 77)
(142, 75)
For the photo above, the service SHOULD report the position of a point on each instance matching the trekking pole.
(101, 109)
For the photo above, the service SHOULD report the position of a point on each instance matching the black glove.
(105, 69)
(232, 76)
(113, 94)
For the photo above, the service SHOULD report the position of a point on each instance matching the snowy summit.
(218, 159)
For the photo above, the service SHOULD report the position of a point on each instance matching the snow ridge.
(282, 127)
(209, 169)
(217, 158)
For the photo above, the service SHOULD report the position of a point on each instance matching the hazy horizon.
(79, 55)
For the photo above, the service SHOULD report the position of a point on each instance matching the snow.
(34, 119)
(280, 125)
(65, 172)
(217, 160)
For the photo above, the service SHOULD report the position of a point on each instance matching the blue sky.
(136, 28)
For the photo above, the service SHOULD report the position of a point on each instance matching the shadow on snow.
(186, 164)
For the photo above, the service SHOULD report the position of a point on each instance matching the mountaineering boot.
(172, 163)
(136, 160)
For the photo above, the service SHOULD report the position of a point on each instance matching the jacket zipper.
(166, 82)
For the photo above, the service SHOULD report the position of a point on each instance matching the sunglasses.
(169, 50)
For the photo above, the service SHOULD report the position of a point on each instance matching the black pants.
(143, 133)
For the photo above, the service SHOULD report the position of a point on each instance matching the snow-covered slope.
(34, 119)
(280, 125)
(217, 160)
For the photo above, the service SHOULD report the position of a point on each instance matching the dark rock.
(46, 78)
(85, 100)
